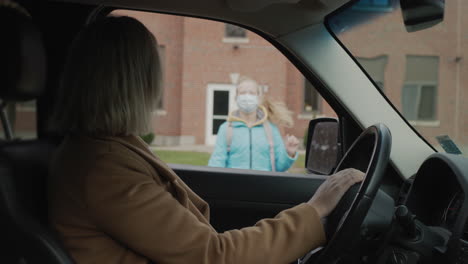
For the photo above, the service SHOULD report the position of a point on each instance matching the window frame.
(325, 95)
(235, 39)
(160, 108)
(27, 106)
(360, 60)
(419, 84)
(314, 112)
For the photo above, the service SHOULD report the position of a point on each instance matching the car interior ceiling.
(246, 13)
(24, 203)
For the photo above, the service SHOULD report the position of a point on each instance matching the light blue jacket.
(249, 146)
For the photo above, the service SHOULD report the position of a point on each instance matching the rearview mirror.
(323, 148)
(422, 14)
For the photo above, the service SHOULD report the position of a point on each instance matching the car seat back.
(23, 204)
(25, 236)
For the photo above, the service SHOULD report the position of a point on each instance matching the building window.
(233, 31)
(162, 59)
(375, 67)
(22, 120)
(312, 98)
(27, 106)
(419, 92)
(419, 102)
(373, 5)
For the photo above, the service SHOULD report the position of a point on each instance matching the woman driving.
(111, 200)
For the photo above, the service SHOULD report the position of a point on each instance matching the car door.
(239, 198)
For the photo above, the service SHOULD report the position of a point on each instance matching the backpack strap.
(229, 137)
(269, 135)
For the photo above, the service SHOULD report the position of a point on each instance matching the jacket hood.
(262, 116)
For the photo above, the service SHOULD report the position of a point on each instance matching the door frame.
(211, 88)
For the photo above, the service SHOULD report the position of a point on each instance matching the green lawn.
(184, 157)
(201, 159)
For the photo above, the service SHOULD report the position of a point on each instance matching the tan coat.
(112, 201)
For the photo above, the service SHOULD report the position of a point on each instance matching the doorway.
(220, 102)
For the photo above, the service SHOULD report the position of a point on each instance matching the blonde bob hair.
(278, 112)
(111, 80)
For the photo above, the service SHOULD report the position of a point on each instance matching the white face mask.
(247, 102)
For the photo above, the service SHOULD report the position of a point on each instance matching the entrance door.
(220, 102)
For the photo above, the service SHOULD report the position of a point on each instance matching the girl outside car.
(250, 138)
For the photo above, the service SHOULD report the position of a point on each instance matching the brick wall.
(207, 59)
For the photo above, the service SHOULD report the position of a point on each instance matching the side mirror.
(422, 14)
(323, 148)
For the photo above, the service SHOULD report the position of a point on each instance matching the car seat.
(24, 236)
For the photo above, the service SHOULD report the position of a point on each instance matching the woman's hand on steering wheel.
(330, 192)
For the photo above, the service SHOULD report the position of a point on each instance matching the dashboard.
(438, 198)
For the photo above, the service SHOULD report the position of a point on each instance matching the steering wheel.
(369, 153)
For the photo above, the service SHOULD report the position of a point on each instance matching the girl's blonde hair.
(111, 80)
(278, 112)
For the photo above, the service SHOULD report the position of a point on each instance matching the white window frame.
(210, 139)
(227, 39)
(161, 109)
(419, 85)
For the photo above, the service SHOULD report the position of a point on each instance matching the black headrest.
(23, 60)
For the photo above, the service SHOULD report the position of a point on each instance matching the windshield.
(423, 73)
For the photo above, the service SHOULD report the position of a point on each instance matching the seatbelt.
(269, 134)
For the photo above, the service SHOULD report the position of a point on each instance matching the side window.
(203, 63)
(22, 120)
